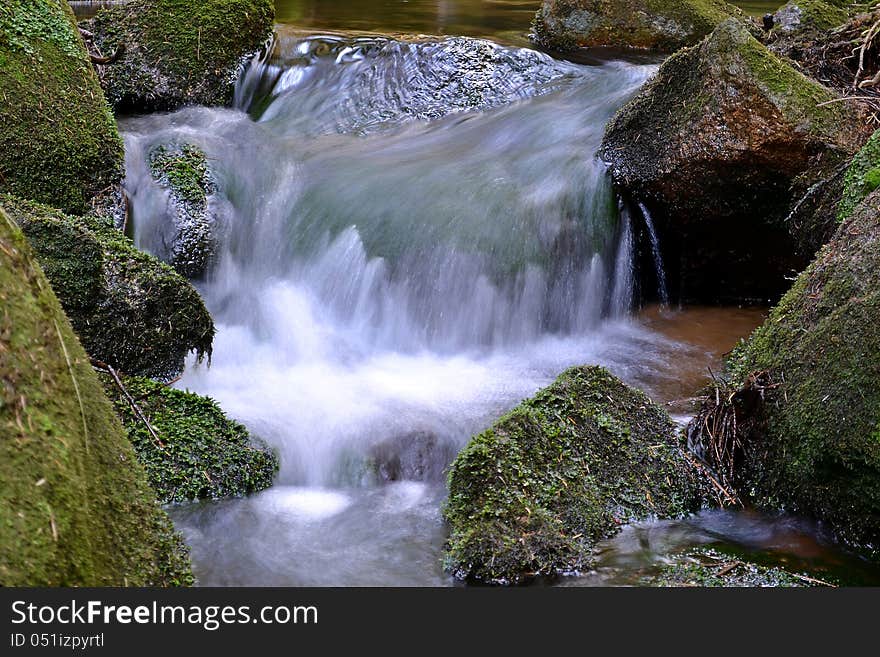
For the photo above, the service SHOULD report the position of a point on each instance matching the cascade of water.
(659, 269)
(414, 236)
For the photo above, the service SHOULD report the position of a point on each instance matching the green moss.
(562, 470)
(129, 310)
(862, 177)
(179, 52)
(812, 15)
(75, 506)
(182, 169)
(704, 567)
(59, 142)
(818, 452)
(665, 25)
(203, 455)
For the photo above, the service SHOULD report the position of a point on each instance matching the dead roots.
(720, 433)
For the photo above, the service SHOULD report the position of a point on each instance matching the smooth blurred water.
(415, 235)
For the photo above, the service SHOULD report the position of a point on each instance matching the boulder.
(75, 505)
(718, 146)
(189, 448)
(177, 52)
(663, 25)
(130, 310)
(191, 245)
(562, 470)
(802, 15)
(59, 143)
(813, 446)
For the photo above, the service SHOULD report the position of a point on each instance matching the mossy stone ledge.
(816, 450)
(58, 143)
(75, 505)
(660, 25)
(178, 52)
(130, 310)
(203, 454)
(564, 469)
(719, 146)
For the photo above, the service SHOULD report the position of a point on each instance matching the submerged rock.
(416, 456)
(562, 470)
(183, 171)
(130, 310)
(816, 448)
(708, 568)
(75, 506)
(178, 52)
(713, 146)
(664, 25)
(200, 453)
(59, 143)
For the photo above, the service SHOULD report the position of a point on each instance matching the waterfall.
(414, 236)
(659, 269)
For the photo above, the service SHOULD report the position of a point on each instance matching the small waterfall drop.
(659, 268)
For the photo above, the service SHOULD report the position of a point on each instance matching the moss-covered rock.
(178, 52)
(713, 146)
(708, 568)
(130, 310)
(75, 506)
(664, 25)
(200, 453)
(59, 143)
(810, 15)
(862, 177)
(183, 171)
(817, 449)
(562, 470)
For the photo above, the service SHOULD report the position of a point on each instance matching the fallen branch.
(112, 59)
(100, 365)
(845, 98)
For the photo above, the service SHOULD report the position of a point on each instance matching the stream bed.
(415, 235)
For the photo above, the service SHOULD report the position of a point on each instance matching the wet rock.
(417, 456)
(815, 449)
(705, 567)
(178, 52)
(130, 310)
(59, 143)
(75, 506)
(713, 146)
(562, 470)
(664, 25)
(203, 454)
(810, 15)
(183, 171)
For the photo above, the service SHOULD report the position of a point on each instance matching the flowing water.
(415, 235)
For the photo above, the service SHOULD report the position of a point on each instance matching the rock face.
(178, 52)
(203, 454)
(664, 25)
(713, 146)
(75, 506)
(817, 450)
(130, 310)
(562, 470)
(58, 142)
(183, 171)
